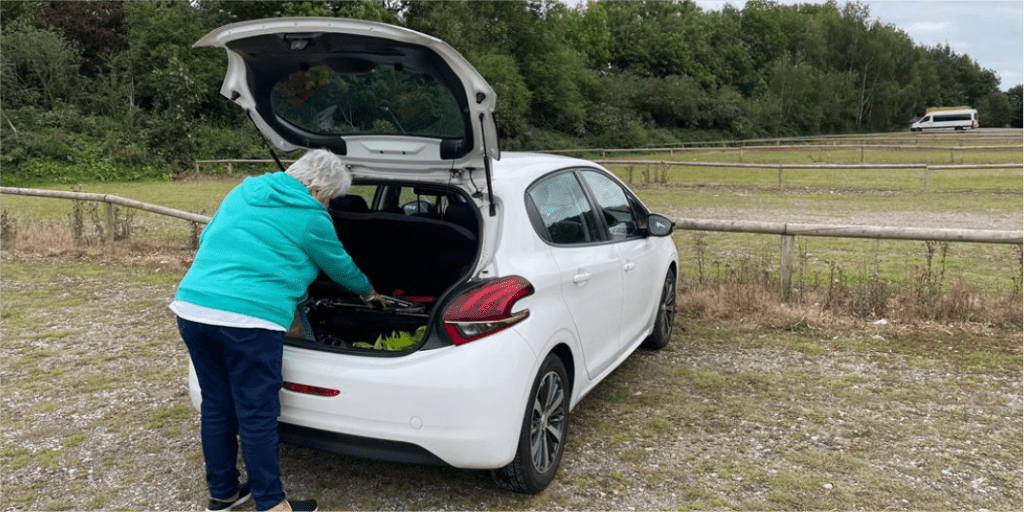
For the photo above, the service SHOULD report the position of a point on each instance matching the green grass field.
(1006, 180)
(890, 197)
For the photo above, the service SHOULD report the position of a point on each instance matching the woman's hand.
(375, 300)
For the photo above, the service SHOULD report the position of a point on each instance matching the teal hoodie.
(262, 249)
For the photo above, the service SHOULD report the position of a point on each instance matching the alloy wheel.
(547, 425)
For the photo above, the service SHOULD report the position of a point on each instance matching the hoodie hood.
(277, 190)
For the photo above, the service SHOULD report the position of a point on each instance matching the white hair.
(323, 170)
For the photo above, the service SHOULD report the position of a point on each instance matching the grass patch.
(170, 416)
(60, 504)
(91, 383)
(20, 456)
(21, 498)
(74, 440)
(29, 270)
(163, 278)
(812, 349)
(47, 407)
(57, 335)
(48, 459)
(99, 500)
(707, 381)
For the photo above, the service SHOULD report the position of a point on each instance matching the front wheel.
(542, 436)
(665, 316)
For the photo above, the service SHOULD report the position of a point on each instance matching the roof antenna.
(487, 166)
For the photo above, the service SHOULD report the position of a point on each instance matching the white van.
(957, 119)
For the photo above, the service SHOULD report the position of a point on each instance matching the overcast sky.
(988, 32)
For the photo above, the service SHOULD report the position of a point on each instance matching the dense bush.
(113, 90)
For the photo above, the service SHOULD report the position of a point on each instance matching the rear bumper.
(355, 446)
(461, 406)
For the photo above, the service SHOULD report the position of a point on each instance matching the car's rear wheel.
(543, 432)
(666, 315)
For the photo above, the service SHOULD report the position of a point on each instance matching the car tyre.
(543, 432)
(665, 316)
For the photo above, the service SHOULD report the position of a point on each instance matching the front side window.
(562, 214)
(614, 206)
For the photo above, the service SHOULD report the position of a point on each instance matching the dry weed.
(46, 239)
(758, 304)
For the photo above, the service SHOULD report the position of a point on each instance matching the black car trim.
(357, 446)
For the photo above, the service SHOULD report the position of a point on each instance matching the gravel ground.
(96, 416)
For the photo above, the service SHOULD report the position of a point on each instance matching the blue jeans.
(239, 373)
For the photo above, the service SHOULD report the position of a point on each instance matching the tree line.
(105, 90)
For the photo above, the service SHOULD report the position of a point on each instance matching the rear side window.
(953, 117)
(561, 212)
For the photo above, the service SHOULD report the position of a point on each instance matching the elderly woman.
(256, 258)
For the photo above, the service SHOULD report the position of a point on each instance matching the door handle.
(581, 277)
(629, 266)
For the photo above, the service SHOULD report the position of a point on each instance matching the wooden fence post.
(786, 267)
(782, 181)
(927, 178)
(108, 236)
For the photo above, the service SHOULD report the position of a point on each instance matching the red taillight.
(310, 390)
(486, 309)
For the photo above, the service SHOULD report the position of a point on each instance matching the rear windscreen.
(384, 100)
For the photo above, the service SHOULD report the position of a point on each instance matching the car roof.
(515, 167)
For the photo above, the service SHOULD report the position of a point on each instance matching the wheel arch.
(564, 353)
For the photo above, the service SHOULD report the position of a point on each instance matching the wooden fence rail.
(110, 200)
(230, 161)
(741, 151)
(925, 168)
(1008, 139)
(788, 231)
(788, 147)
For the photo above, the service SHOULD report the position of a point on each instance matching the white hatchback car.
(520, 280)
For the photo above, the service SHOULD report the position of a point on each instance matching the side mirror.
(659, 225)
(418, 208)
